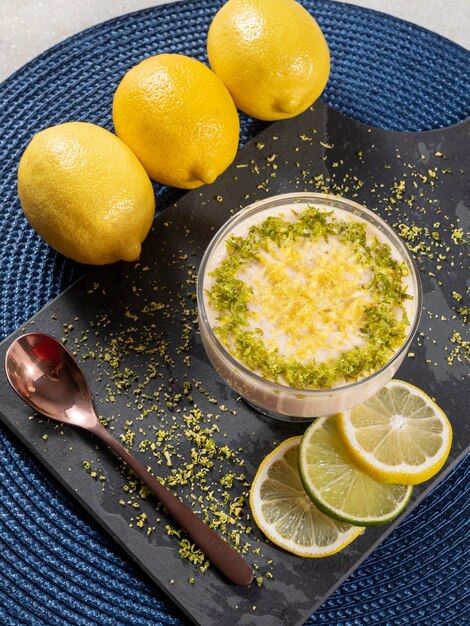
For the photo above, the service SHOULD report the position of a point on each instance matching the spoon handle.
(217, 550)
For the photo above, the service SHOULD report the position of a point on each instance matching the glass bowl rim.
(254, 207)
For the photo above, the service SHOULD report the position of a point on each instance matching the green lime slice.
(338, 487)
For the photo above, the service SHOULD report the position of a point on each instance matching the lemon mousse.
(308, 295)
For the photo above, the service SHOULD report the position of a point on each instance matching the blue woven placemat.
(57, 567)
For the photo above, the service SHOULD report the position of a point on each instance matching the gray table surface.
(28, 27)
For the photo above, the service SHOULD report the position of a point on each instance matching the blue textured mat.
(56, 567)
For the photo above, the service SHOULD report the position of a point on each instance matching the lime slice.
(339, 487)
(398, 436)
(285, 514)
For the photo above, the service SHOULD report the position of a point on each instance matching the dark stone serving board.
(416, 179)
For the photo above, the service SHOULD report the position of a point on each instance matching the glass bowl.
(280, 400)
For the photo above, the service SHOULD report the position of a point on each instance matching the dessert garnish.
(311, 299)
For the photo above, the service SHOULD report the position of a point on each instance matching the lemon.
(85, 193)
(272, 56)
(398, 436)
(339, 487)
(285, 514)
(178, 118)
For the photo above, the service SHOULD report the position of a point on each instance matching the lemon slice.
(285, 514)
(338, 486)
(398, 436)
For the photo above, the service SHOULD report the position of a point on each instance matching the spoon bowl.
(46, 376)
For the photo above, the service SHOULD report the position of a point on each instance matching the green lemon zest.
(385, 320)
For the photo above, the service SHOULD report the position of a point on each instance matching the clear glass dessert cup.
(278, 400)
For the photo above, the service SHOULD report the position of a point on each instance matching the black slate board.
(410, 178)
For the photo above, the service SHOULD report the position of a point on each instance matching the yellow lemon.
(399, 435)
(286, 515)
(271, 54)
(178, 118)
(85, 193)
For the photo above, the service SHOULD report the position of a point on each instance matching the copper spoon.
(48, 378)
